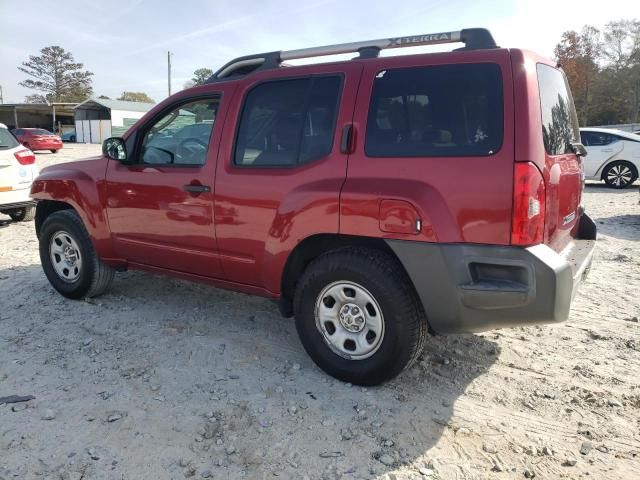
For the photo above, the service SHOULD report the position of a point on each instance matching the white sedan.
(17, 172)
(612, 156)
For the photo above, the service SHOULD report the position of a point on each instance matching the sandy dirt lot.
(161, 379)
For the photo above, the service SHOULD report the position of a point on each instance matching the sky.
(125, 43)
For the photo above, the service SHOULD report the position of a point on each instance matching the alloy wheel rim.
(65, 256)
(619, 175)
(350, 320)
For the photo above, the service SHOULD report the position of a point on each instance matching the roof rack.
(473, 39)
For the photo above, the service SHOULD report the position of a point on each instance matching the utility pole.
(169, 71)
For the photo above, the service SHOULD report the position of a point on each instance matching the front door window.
(181, 137)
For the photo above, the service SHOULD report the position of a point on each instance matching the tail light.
(527, 226)
(25, 157)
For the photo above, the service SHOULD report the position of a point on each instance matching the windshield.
(7, 140)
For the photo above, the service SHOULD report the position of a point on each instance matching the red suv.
(376, 199)
(38, 139)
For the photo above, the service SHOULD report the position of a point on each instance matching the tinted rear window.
(559, 119)
(7, 140)
(436, 111)
(39, 131)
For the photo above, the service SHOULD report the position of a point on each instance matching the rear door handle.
(608, 150)
(345, 142)
(196, 188)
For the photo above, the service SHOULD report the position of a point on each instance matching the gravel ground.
(161, 378)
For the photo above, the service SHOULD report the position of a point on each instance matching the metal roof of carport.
(61, 108)
(99, 103)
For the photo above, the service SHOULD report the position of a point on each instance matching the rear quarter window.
(559, 119)
(436, 111)
(7, 140)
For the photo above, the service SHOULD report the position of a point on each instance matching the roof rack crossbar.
(473, 38)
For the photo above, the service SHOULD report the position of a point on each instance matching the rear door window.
(559, 119)
(288, 122)
(436, 111)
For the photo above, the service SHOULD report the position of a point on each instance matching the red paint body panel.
(261, 214)
(81, 185)
(471, 202)
(154, 221)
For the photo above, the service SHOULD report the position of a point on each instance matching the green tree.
(55, 73)
(578, 54)
(603, 69)
(621, 48)
(136, 97)
(35, 98)
(200, 76)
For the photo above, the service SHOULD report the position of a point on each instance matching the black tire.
(54, 151)
(26, 214)
(94, 276)
(619, 174)
(72, 139)
(405, 325)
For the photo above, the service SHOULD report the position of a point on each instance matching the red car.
(38, 139)
(378, 199)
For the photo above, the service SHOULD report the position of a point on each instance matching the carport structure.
(97, 119)
(50, 116)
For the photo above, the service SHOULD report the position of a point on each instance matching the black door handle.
(196, 188)
(345, 142)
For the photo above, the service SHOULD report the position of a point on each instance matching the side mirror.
(115, 149)
(579, 149)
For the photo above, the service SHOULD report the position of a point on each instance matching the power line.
(169, 72)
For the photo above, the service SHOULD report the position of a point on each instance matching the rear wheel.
(25, 214)
(619, 174)
(358, 316)
(69, 259)
(54, 151)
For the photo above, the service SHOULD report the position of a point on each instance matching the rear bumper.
(472, 288)
(13, 206)
(15, 199)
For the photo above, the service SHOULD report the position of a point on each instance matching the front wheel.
(53, 151)
(619, 174)
(69, 259)
(358, 316)
(25, 214)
